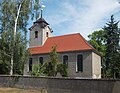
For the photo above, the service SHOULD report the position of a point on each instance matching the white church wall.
(72, 60)
(35, 41)
(96, 65)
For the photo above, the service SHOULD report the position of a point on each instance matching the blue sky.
(79, 16)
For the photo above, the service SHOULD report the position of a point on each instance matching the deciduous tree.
(97, 40)
(14, 17)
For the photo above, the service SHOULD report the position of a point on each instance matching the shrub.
(62, 69)
(37, 70)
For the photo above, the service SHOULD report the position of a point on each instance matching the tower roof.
(41, 20)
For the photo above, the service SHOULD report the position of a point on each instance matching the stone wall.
(62, 85)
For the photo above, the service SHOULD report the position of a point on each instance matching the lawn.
(16, 90)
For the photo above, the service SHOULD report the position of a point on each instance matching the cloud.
(81, 16)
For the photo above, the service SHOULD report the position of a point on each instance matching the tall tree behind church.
(112, 55)
(14, 16)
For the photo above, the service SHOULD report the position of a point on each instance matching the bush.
(37, 70)
(62, 69)
(49, 69)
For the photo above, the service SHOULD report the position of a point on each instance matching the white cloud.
(83, 17)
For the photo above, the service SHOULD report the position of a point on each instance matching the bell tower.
(39, 32)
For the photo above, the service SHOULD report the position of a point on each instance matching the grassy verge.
(16, 90)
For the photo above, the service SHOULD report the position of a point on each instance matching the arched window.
(47, 34)
(80, 62)
(41, 60)
(65, 59)
(30, 64)
(36, 34)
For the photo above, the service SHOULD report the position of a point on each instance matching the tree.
(97, 40)
(4, 57)
(14, 15)
(51, 66)
(112, 56)
(106, 41)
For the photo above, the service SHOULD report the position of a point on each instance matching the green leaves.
(97, 40)
(62, 69)
(51, 66)
(54, 55)
(15, 45)
(106, 41)
(112, 44)
(37, 70)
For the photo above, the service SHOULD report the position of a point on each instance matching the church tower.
(39, 33)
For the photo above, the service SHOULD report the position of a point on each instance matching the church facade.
(82, 59)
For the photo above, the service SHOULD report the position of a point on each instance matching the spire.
(41, 20)
(41, 7)
(41, 13)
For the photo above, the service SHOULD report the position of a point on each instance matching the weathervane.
(42, 7)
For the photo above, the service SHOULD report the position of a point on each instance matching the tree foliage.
(51, 66)
(13, 32)
(62, 69)
(106, 41)
(37, 70)
(112, 44)
(4, 56)
(97, 40)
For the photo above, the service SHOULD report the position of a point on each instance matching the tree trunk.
(15, 27)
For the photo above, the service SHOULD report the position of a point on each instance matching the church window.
(41, 60)
(36, 34)
(80, 62)
(47, 34)
(30, 64)
(65, 59)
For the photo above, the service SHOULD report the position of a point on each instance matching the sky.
(79, 16)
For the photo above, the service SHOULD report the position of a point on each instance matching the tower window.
(36, 34)
(41, 60)
(65, 59)
(80, 63)
(30, 64)
(47, 34)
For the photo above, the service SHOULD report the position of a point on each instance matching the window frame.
(42, 60)
(63, 59)
(30, 64)
(77, 70)
(36, 34)
(47, 34)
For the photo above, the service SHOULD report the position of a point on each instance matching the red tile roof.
(65, 43)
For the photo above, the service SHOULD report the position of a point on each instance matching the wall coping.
(63, 78)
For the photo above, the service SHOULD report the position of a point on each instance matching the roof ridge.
(64, 35)
(36, 46)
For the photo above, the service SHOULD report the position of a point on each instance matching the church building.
(82, 59)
